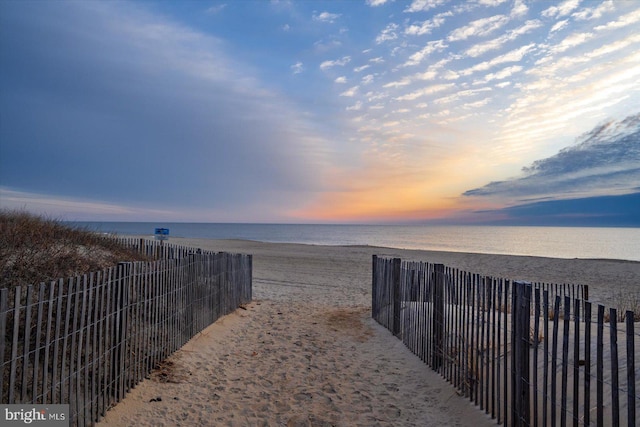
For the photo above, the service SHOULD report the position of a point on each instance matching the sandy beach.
(306, 352)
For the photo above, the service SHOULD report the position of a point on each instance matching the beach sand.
(306, 352)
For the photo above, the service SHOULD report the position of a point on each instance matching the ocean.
(554, 242)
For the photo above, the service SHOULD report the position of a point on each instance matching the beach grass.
(35, 249)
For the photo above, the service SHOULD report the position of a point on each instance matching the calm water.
(556, 242)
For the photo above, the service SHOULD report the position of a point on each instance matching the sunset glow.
(315, 111)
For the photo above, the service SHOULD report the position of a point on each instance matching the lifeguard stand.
(162, 234)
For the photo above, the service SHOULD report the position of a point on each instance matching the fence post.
(374, 287)
(631, 371)
(120, 332)
(438, 316)
(520, 320)
(397, 295)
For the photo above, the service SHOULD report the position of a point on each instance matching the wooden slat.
(576, 360)
(495, 351)
(88, 355)
(26, 343)
(536, 344)
(587, 364)
(14, 345)
(4, 309)
(545, 345)
(521, 306)
(613, 342)
(506, 380)
(554, 359)
(36, 361)
(460, 344)
(122, 330)
(72, 376)
(107, 391)
(79, 371)
(501, 309)
(47, 344)
(137, 326)
(483, 342)
(631, 370)
(55, 381)
(96, 353)
(565, 360)
(474, 340)
(600, 367)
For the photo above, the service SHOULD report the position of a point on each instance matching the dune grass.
(35, 249)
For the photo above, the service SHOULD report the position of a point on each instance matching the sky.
(362, 111)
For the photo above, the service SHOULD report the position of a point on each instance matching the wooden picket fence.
(86, 341)
(526, 354)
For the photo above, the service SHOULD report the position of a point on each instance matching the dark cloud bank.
(595, 182)
(601, 211)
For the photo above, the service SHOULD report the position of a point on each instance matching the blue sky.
(336, 111)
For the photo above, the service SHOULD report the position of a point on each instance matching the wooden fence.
(158, 249)
(526, 354)
(86, 341)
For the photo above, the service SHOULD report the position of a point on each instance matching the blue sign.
(162, 233)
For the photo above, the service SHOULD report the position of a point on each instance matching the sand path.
(307, 353)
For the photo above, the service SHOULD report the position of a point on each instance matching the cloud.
(376, 3)
(326, 45)
(139, 110)
(571, 41)
(624, 21)
(515, 55)
(429, 90)
(547, 67)
(351, 92)
(476, 104)
(423, 5)
(356, 107)
(461, 94)
(326, 17)
(216, 9)
(481, 48)
(605, 160)
(478, 28)
(421, 55)
(297, 68)
(559, 25)
(426, 27)
(491, 3)
(338, 62)
(368, 79)
(519, 9)
(341, 79)
(399, 83)
(389, 33)
(563, 9)
(66, 208)
(589, 13)
(598, 211)
(504, 73)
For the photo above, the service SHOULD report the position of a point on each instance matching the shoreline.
(609, 280)
(178, 239)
